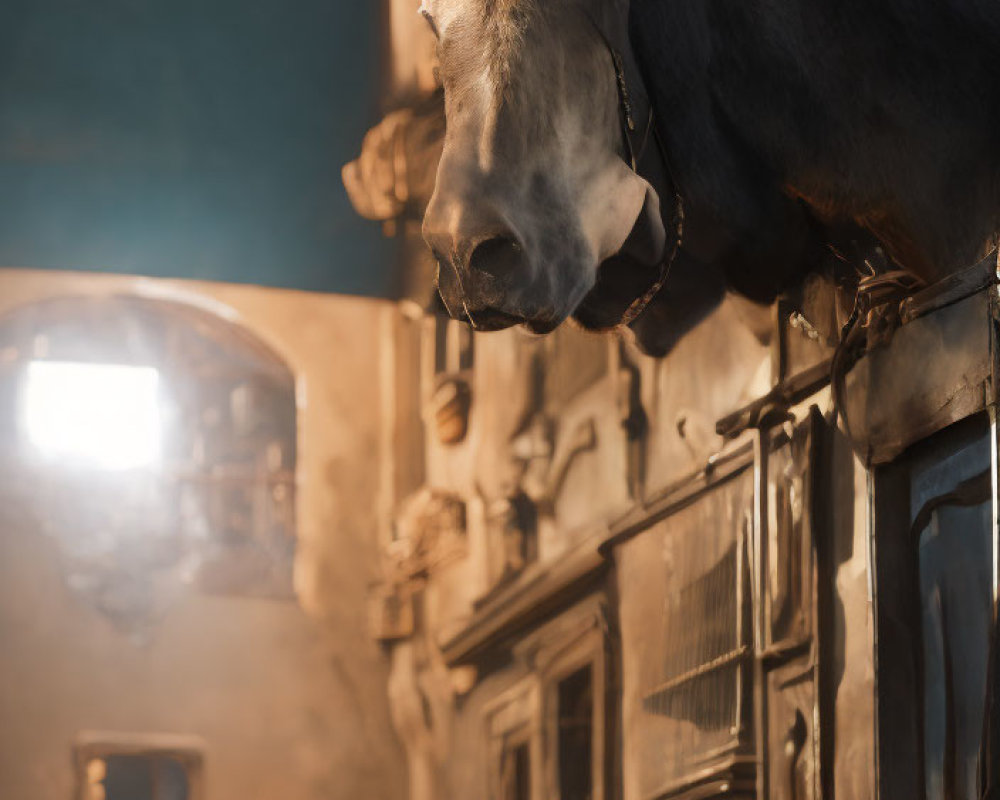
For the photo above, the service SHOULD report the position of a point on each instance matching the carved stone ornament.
(450, 406)
(390, 612)
(513, 522)
(430, 529)
(395, 172)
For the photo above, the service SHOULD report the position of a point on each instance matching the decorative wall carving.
(430, 530)
(394, 174)
(450, 406)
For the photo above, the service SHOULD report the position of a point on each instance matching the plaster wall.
(288, 698)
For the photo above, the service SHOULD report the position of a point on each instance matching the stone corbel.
(431, 529)
(394, 175)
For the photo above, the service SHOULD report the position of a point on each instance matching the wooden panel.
(792, 731)
(935, 372)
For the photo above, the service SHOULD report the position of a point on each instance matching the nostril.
(499, 256)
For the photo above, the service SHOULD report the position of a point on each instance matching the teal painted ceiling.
(189, 138)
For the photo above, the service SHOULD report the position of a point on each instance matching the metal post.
(987, 744)
(762, 447)
(873, 618)
(992, 400)
(995, 484)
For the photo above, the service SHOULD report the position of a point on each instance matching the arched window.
(155, 442)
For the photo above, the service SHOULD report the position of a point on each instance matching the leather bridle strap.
(634, 158)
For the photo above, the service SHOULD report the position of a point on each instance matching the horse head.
(538, 212)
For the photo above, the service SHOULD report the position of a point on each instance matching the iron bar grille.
(686, 632)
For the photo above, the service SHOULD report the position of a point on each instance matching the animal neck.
(888, 125)
(644, 148)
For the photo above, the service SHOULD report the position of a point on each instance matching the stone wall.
(289, 699)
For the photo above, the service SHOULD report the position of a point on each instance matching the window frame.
(527, 712)
(187, 750)
(585, 650)
(510, 720)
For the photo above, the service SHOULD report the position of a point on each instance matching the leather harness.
(633, 155)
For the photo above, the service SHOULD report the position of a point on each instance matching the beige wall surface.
(290, 703)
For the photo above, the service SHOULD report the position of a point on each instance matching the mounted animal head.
(537, 213)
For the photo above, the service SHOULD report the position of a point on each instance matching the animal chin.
(541, 326)
(620, 282)
(490, 319)
(487, 320)
(627, 275)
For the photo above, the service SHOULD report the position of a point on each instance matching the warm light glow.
(100, 415)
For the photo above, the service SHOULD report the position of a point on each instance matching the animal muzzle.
(501, 262)
(483, 290)
(486, 279)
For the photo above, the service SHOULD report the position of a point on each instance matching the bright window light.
(99, 415)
